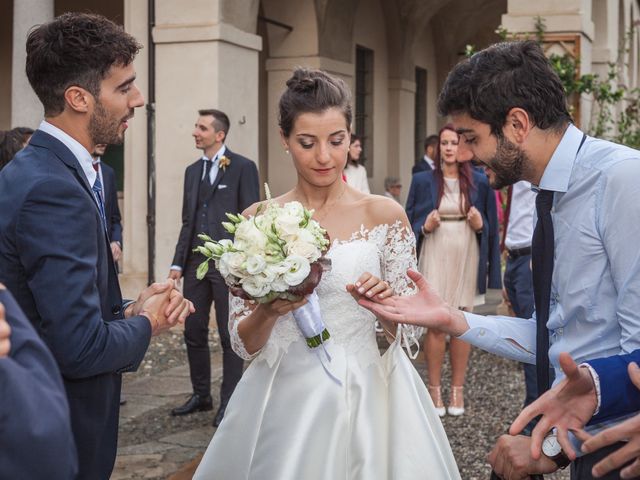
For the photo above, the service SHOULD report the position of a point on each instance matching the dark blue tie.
(97, 190)
(542, 251)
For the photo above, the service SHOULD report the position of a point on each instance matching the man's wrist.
(595, 378)
(153, 321)
(457, 322)
(128, 308)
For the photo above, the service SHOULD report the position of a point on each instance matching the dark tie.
(507, 213)
(542, 251)
(97, 190)
(207, 165)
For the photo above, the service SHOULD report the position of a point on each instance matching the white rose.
(226, 244)
(249, 235)
(304, 249)
(294, 209)
(287, 225)
(231, 264)
(298, 269)
(256, 286)
(255, 264)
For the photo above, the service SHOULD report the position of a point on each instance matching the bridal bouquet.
(278, 253)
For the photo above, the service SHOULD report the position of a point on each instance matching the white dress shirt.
(215, 166)
(595, 292)
(429, 161)
(520, 226)
(82, 154)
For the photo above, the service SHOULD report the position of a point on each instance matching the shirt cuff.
(176, 267)
(596, 382)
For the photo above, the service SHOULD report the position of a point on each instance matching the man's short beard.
(103, 128)
(507, 164)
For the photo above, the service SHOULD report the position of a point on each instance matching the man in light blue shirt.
(509, 108)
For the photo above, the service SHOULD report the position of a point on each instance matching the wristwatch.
(552, 449)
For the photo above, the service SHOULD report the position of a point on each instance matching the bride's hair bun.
(302, 81)
(313, 91)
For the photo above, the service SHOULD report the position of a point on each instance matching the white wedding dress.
(288, 420)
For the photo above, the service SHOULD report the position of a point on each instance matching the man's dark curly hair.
(504, 76)
(75, 49)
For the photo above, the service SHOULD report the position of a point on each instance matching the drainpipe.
(151, 147)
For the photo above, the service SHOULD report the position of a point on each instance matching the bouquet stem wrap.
(309, 321)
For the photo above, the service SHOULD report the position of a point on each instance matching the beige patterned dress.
(449, 256)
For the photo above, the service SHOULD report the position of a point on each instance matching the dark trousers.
(196, 333)
(518, 282)
(581, 467)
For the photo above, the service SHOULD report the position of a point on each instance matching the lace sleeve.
(399, 254)
(239, 309)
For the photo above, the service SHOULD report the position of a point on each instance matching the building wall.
(208, 55)
(370, 32)
(6, 62)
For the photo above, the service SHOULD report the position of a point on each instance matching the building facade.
(235, 55)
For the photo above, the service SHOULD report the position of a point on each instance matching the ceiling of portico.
(453, 24)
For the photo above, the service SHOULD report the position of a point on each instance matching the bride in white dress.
(287, 418)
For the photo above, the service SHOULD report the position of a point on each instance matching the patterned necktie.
(542, 252)
(97, 190)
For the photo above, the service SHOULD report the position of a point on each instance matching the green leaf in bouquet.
(235, 218)
(203, 268)
(229, 227)
(205, 238)
(202, 250)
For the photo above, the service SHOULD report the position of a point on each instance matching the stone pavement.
(150, 399)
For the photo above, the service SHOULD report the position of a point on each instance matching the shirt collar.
(218, 154)
(557, 174)
(82, 154)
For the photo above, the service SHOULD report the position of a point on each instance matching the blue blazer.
(36, 437)
(619, 396)
(56, 260)
(423, 198)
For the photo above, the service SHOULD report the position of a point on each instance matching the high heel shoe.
(436, 397)
(456, 403)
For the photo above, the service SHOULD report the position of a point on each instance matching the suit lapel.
(222, 171)
(51, 143)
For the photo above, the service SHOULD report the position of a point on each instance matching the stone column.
(201, 62)
(134, 214)
(401, 124)
(26, 109)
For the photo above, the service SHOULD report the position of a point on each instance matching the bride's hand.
(280, 307)
(369, 286)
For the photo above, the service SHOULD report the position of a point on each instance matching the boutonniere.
(224, 162)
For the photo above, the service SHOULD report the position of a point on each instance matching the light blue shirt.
(595, 292)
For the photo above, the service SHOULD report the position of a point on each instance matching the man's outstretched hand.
(567, 406)
(425, 308)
